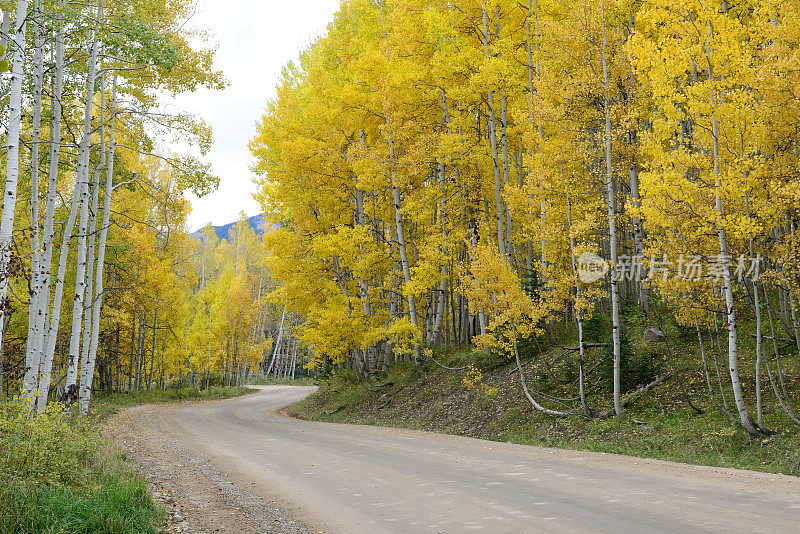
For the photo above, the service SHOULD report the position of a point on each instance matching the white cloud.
(255, 40)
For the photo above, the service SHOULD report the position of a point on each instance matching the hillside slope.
(660, 424)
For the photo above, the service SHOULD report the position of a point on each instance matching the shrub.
(43, 448)
(58, 475)
(636, 367)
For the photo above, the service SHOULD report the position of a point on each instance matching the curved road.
(352, 479)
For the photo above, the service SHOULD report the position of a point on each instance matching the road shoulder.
(198, 497)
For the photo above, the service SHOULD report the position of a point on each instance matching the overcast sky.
(255, 39)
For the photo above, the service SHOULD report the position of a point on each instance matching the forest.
(506, 175)
(104, 288)
(564, 223)
(438, 177)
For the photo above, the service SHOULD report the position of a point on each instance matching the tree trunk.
(498, 186)
(401, 240)
(14, 125)
(33, 349)
(133, 352)
(98, 300)
(48, 351)
(82, 177)
(578, 313)
(153, 354)
(744, 414)
(612, 231)
(83, 392)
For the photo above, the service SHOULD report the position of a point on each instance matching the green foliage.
(488, 361)
(59, 476)
(531, 283)
(45, 448)
(636, 366)
(155, 47)
(597, 329)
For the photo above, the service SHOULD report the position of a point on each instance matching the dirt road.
(352, 479)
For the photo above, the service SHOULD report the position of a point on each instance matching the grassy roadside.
(61, 476)
(494, 408)
(58, 476)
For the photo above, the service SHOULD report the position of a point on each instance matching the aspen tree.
(33, 349)
(82, 178)
(49, 234)
(14, 124)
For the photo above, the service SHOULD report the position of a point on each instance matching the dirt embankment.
(662, 424)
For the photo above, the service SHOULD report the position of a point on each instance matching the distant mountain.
(257, 223)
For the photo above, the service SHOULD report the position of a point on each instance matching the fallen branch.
(535, 404)
(638, 393)
(391, 397)
(334, 411)
(445, 367)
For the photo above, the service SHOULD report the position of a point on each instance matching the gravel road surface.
(303, 476)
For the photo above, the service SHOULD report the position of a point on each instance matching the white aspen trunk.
(363, 287)
(759, 352)
(633, 178)
(441, 308)
(542, 219)
(83, 396)
(294, 360)
(506, 177)
(534, 122)
(14, 124)
(401, 241)
(277, 341)
(49, 224)
(612, 232)
(578, 314)
(396, 195)
(638, 234)
(498, 185)
(82, 176)
(759, 328)
(783, 400)
(733, 355)
(82, 180)
(33, 349)
(794, 319)
(86, 383)
(153, 354)
(533, 402)
(55, 315)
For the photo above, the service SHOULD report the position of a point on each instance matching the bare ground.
(197, 496)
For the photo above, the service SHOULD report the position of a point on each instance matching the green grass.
(59, 476)
(118, 503)
(105, 405)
